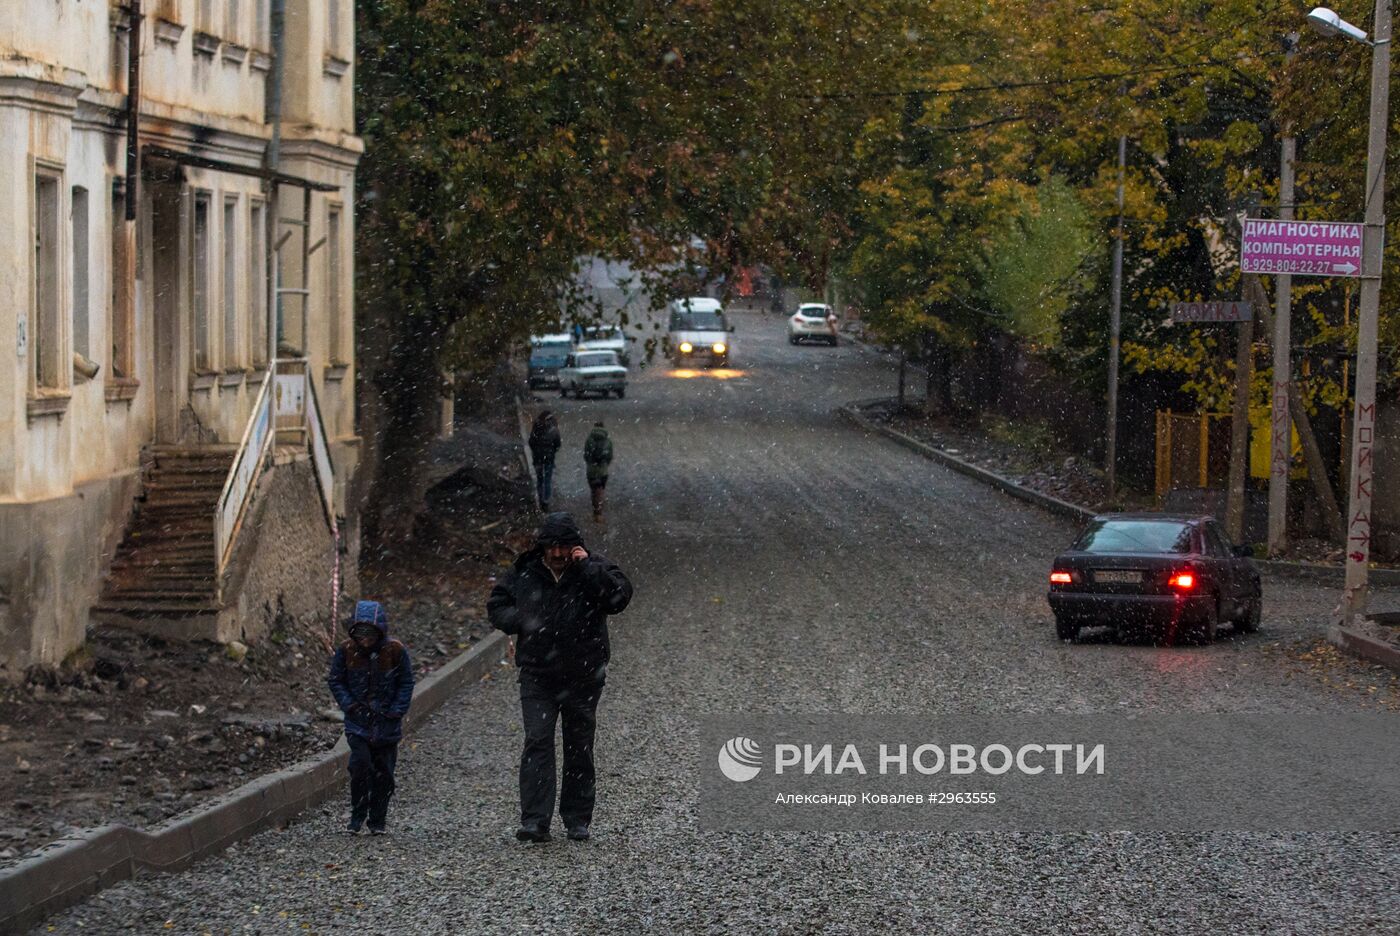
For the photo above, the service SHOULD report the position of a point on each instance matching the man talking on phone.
(555, 601)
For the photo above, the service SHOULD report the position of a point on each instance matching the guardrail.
(243, 475)
(320, 452)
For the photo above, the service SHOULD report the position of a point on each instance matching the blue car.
(547, 354)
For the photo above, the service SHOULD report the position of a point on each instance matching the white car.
(607, 338)
(699, 333)
(812, 321)
(592, 372)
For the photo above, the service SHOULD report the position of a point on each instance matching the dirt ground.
(138, 729)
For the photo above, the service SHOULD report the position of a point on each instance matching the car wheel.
(621, 392)
(792, 339)
(834, 341)
(1065, 629)
(563, 393)
(1254, 612)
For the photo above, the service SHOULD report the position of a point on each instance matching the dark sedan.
(1176, 575)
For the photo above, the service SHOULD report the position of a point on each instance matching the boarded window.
(44, 328)
(81, 273)
(335, 307)
(200, 283)
(119, 324)
(233, 356)
(257, 281)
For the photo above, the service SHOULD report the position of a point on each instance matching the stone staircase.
(165, 565)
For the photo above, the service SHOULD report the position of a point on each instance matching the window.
(232, 26)
(333, 26)
(334, 306)
(1135, 536)
(81, 308)
(232, 353)
(123, 234)
(45, 333)
(200, 282)
(257, 281)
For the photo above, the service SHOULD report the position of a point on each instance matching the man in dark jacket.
(544, 445)
(556, 601)
(371, 678)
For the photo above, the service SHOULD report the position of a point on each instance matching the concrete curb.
(1311, 571)
(1364, 646)
(1005, 485)
(74, 868)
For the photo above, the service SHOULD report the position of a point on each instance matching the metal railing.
(243, 475)
(320, 451)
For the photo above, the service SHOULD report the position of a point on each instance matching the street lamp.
(1358, 519)
(1327, 22)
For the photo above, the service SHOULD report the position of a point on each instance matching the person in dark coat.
(555, 602)
(544, 445)
(598, 456)
(371, 678)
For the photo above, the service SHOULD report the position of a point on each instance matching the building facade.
(151, 282)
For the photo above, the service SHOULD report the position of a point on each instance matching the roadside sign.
(1212, 311)
(1301, 248)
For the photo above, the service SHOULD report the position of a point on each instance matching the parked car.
(813, 321)
(592, 372)
(607, 338)
(547, 355)
(1178, 575)
(699, 332)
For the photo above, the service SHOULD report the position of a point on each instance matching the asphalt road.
(786, 562)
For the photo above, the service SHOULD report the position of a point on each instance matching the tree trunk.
(1239, 434)
(1317, 468)
(401, 416)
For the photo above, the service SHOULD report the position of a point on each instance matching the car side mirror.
(1244, 552)
(730, 328)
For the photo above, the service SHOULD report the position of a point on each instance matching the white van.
(699, 332)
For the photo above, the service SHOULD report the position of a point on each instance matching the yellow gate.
(1193, 451)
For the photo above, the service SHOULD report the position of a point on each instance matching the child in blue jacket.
(371, 678)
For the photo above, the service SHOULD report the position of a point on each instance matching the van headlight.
(718, 347)
(686, 347)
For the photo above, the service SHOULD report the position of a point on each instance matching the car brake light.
(1060, 578)
(1182, 580)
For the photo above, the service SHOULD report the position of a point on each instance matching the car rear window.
(1135, 536)
(812, 312)
(596, 360)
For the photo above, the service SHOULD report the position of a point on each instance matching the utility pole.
(1280, 433)
(1115, 309)
(1363, 424)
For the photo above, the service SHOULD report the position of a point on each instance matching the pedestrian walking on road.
(544, 445)
(555, 602)
(371, 678)
(598, 456)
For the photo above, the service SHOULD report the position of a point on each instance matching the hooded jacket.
(560, 626)
(544, 441)
(374, 687)
(598, 453)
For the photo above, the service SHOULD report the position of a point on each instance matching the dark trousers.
(371, 778)
(543, 700)
(544, 479)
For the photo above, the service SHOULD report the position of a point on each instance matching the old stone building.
(176, 342)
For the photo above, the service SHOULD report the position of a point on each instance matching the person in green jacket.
(598, 455)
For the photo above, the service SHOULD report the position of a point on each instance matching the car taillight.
(1183, 580)
(1060, 578)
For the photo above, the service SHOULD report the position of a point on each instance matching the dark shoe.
(532, 833)
(377, 828)
(579, 833)
(354, 825)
